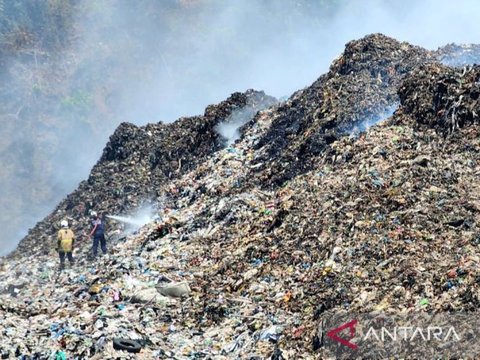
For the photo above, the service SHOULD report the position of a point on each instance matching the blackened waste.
(261, 239)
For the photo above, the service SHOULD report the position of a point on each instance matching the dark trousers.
(62, 258)
(103, 244)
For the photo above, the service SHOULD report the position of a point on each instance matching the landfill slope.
(361, 84)
(385, 220)
(137, 162)
(448, 100)
(458, 55)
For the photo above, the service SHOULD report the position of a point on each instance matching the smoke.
(147, 61)
(229, 129)
(461, 55)
(363, 125)
(198, 52)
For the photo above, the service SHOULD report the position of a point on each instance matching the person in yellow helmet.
(65, 242)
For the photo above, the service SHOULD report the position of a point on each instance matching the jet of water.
(140, 218)
(129, 220)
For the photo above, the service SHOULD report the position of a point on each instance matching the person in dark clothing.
(65, 243)
(98, 234)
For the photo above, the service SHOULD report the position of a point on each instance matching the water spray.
(128, 220)
(140, 218)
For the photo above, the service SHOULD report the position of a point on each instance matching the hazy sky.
(281, 46)
(207, 51)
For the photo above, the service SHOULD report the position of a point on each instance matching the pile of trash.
(360, 86)
(458, 55)
(237, 267)
(446, 98)
(137, 162)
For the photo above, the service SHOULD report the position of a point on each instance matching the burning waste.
(229, 129)
(256, 245)
(363, 125)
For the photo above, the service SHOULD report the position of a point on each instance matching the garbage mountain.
(257, 242)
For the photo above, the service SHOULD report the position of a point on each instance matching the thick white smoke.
(229, 129)
(364, 124)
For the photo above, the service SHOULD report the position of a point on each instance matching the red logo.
(333, 334)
